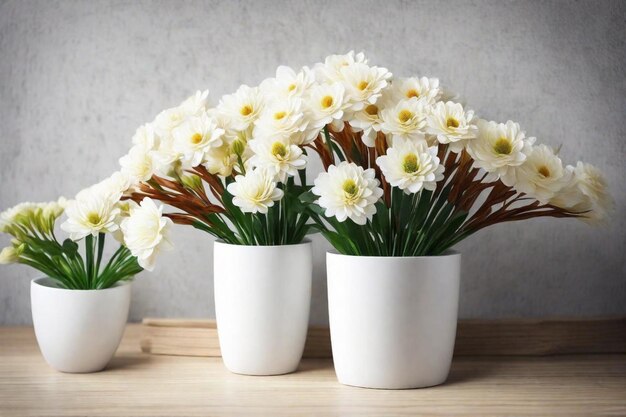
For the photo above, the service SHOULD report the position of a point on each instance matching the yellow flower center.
(246, 110)
(326, 102)
(279, 150)
(405, 115)
(280, 115)
(291, 87)
(410, 164)
(452, 122)
(349, 187)
(544, 171)
(363, 85)
(372, 110)
(502, 146)
(93, 218)
(412, 93)
(196, 138)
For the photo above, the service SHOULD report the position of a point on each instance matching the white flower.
(171, 118)
(367, 121)
(330, 70)
(114, 186)
(278, 155)
(196, 104)
(407, 120)
(348, 191)
(411, 166)
(326, 104)
(9, 255)
(90, 213)
(9, 216)
(194, 137)
(451, 124)
(499, 148)
(243, 107)
(222, 160)
(146, 232)
(587, 193)
(138, 164)
(414, 87)
(146, 137)
(542, 175)
(284, 118)
(255, 192)
(288, 83)
(364, 84)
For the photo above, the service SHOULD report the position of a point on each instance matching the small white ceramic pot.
(78, 331)
(393, 319)
(262, 303)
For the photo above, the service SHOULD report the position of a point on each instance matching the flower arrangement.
(95, 212)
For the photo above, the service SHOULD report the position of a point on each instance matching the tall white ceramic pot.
(393, 319)
(262, 303)
(78, 330)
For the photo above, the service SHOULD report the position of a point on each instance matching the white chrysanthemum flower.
(138, 164)
(90, 213)
(146, 232)
(330, 70)
(348, 191)
(170, 119)
(423, 88)
(277, 155)
(499, 148)
(114, 186)
(364, 85)
(367, 121)
(451, 124)
(9, 255)
(288, 83)
(255, 192)
(587, 193)
(542, 175)
(406, 120)
(411, 166)
(146, 137)
(195, 137)
(284, 118)
(243, 107)
(326, 104)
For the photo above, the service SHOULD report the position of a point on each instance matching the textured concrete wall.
(77, 78)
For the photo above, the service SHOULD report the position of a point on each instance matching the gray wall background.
(77, 78)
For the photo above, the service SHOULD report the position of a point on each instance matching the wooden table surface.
(150, 385)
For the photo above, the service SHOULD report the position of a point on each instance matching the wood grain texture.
(474, 337)
(157, 385)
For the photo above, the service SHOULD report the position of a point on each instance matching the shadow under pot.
(262, 303)
(78, 331)
(393, 319)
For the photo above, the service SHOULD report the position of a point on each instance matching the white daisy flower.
(542, 175)
(348, 191)
(451, 124)
(195, 137)
(414, 87)
(284, 118)
(326, 104)
(255, 192)
(367, 121)
(278, 156)
(114, 186)
(499, 148)
(171, 118)
(146, 232)
(138, 164)
(364, 84)
(288, 83)
(243, 107)
(411, 166)
(330, 70)
(90, 213)
(406, 120)
(146, 137)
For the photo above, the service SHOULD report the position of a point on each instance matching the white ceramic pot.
(393, 319)
(78, 330)
(262, 303)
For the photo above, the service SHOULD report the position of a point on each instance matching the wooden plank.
(158, 385)
(474, 337)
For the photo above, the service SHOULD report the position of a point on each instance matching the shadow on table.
(127, 362)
